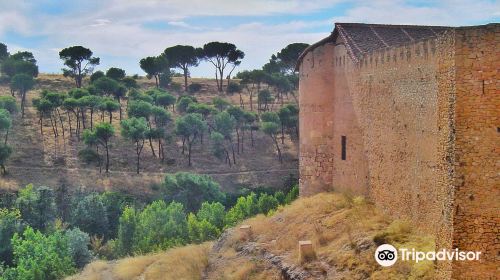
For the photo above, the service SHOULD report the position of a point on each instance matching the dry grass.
(176, 264)
(342, 229)
(54, 161)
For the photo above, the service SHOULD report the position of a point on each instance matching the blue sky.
(121, 32)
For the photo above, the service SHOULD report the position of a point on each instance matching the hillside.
(51, 161)
(344, 232)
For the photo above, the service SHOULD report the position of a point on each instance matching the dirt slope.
(51, 161)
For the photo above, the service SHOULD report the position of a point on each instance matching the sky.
(121, 32)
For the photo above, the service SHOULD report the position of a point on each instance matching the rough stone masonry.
(409, 116)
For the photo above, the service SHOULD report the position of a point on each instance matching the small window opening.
(344, 144)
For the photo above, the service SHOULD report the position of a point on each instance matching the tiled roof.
(362, 38)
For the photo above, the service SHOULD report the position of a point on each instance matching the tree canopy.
(222, 55)
(155, 66)
(79, 62)
(191, 190)
(183, 57)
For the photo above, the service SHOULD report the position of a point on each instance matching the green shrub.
(10, 223)
(191, 190)
(89, 214)
(126, 231)
(213, 212)
(292, 194)
(160, 226)
(89, 155)
(201, 230)
(194, 87)
(40, 257)
(267, 203)
(280, 197)
(37, 206)
(245, 207)
(78, 243)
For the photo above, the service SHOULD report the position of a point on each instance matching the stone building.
(409, 116)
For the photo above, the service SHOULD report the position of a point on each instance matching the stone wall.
(316, 120)
(422, 128)
(477, 186)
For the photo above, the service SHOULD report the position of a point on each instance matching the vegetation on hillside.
(62, 236)
(49, 233)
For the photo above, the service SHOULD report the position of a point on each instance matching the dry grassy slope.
(185, 263)
(43, 160)
(341, 228)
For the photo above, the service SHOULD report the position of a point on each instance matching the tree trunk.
(277, 148)
(161, 152)
(151, 145)
(61, 122)
(99, 157)
(23, 103)
(138, 150)
(107, 156)
(41, 125)
(228, 159)
(282, 134)
(242, 140)
(221, 80)
(251, 135)
(120, 102)
(6, 136)
(232, 148)
(190, 144)
(185, 79)
(91, 119)
(69, 122)
(83, 118)
(238, 139)
(217, 79)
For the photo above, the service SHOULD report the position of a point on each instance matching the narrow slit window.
(344, 146)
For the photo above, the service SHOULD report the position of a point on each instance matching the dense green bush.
(37, 206)
(194, 216)
(160, 226)
(126, 231)
(267, 203)
(201, 230)
(213, 212)
(292, 194)
(40, 257)
(10, 223)
(191, 190)
(90, 215)
(194, 87)
(78, 245)
(115, 203)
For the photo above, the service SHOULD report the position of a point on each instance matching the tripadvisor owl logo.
(386, 255)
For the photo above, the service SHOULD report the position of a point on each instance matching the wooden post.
(246, 232)
(306, 251)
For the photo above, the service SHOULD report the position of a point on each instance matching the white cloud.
(100, 22)
(115, 29)
(178, 23)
